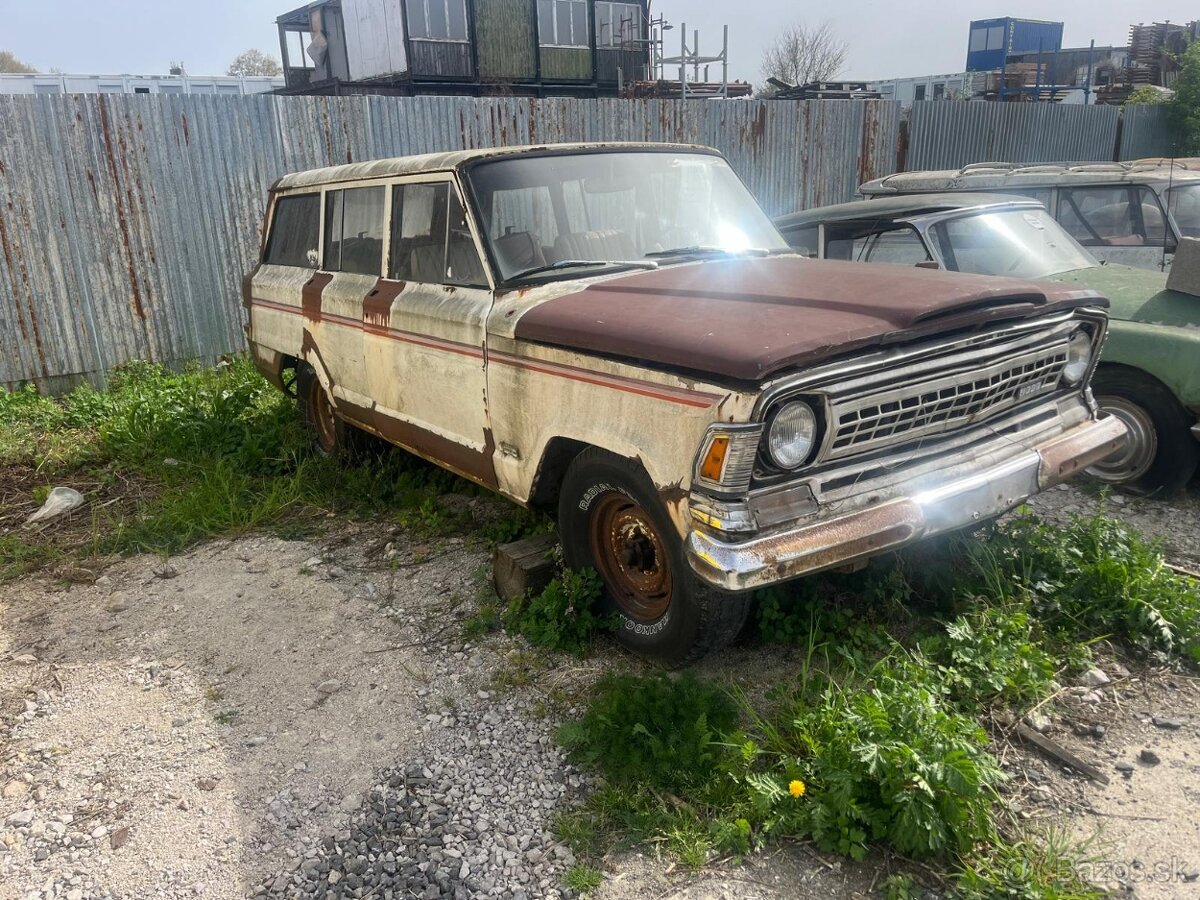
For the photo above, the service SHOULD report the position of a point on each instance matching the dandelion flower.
(797, 788)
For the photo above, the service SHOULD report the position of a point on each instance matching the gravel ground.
(294, 719)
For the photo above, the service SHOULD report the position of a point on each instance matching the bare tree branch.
(802, 54)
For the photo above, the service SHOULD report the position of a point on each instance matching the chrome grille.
(873, 415)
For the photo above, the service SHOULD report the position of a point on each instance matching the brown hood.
(749, 318)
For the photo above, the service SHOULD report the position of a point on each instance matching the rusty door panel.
(424, 363)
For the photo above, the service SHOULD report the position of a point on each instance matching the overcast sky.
(918, 37)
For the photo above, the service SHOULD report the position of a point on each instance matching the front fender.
(1167, 352)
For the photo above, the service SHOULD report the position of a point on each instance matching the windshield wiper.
(585, 263)
(703, 250)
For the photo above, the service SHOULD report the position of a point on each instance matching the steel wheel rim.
(321, 415)
(1138, 449)
(631, 557)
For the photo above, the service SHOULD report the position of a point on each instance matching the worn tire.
(608, 507)
(1164, 454)
(332, 436)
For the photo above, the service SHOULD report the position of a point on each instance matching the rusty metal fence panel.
(949, 135)
(1145, 132)
(127, 222)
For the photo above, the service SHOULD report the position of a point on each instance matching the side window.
(295, 232)
(902, 247)
(431, 241)
(805, 240)
(1117, 216)
(354, 230)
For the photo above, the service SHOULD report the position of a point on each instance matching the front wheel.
(1159, 453)
(610, 519)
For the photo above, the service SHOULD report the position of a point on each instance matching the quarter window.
(617, 23)
(1115, 216)
(563, 23)
(295, 232)
(354, 230)
(431, 240)
(437, 20)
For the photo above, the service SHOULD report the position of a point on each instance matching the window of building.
(354, 230)
(995, 37)
(617, 23)
(431, 240)
(564, 23)
(437, 20)
(978, 40)
(1116, 216)
(919, 92)
(939, 91)
(295, 232)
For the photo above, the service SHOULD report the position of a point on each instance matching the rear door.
(352, 263)
(1120, 223)
(424, 331)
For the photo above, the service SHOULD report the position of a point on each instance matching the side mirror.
(929, 264)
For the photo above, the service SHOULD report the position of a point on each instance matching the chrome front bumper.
(779, 556)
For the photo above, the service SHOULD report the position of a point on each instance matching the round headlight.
(1079, 357)
(793, 434)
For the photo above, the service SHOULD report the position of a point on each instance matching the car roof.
(903, 206)
(443, 162)
(1009, 176)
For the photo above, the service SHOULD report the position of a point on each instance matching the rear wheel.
(331, 435)
(611, 519)
(1159, 453)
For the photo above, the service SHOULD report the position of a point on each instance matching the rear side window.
(1117, 216)
(354, 226)
(295, 232)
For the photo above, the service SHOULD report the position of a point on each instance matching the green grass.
(206, 452)
(583, 879)
(876, 741)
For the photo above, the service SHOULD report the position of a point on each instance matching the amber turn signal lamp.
(714, 461)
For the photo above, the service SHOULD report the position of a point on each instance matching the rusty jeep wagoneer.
(618, 333)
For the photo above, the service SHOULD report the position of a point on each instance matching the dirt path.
(236, 720)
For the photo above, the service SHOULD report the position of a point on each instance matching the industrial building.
(137, 84)
(584, 48)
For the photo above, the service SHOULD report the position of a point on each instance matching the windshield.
(553, 215)
(1185, 207)
(1019, 243)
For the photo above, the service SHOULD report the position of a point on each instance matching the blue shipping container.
(990, 41)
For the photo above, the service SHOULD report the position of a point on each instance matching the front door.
(424, 332)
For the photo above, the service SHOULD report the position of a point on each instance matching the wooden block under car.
(524, 567)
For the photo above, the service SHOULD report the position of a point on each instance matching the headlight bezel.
(1081, 354)
(807, 409)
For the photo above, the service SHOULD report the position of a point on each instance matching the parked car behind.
(619, 333)
(1128, 213)
(1149, 374)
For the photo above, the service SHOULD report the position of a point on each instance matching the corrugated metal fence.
(126, 223)
(952, 135)
(1145, 133)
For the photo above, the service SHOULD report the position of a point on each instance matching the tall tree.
(1184, 108)
(10, 65)
(255, 62)
(801, 54)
